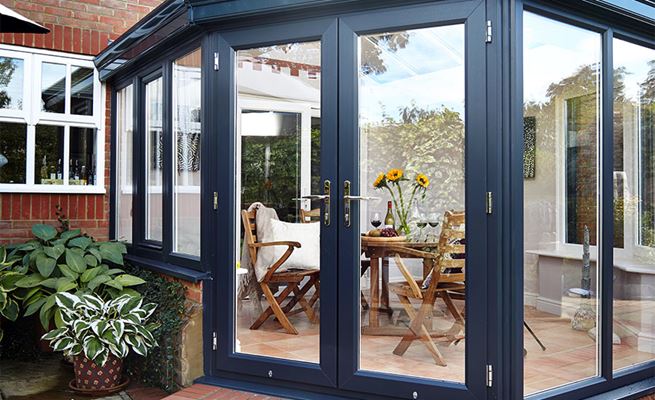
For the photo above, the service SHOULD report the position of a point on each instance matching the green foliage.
(97, 329)
(9, 308)
(158, 368)
(67, 261)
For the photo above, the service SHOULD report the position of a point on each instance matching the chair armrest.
(279, 243)
(291, 246)
(407, 251)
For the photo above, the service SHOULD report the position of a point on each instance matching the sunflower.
(379, 181)
(422, 181)
(394, 175)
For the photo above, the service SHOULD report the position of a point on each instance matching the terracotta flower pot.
(89, 376)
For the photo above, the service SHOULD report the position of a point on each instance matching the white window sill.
(72, 189)
(628, 264)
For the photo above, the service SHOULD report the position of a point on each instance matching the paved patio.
(205, 392)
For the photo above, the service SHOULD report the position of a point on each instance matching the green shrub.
(67, 261)
(158, 368)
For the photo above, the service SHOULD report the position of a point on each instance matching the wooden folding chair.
(446, 278)
(290, 279)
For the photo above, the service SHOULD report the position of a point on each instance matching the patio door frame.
(472, 14)
(337, 373)
(225, 359)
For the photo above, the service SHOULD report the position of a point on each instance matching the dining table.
(377, 251)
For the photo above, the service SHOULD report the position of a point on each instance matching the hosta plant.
(8, 306)
(67, 261)
(98, 330)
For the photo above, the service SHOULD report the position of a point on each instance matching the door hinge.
(214, 341)
(489, 32)
(215, 200)
(216, 61)
(490, 375)
(490, 204)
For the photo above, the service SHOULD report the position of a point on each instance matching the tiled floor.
(205, 392)
(570, 355)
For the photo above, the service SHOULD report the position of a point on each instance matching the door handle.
(347, 198)
(363, 198)
(326, 200)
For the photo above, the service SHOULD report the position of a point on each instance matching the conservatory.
(398, 199)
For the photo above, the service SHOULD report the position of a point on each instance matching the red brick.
(77, 40)
(86, 41)
(38, 40)
(5, 210)
(18, 39)
(95, 42)
(59, 38)
(99, 207)
(68, 38)
(91, 207)
(104, 40)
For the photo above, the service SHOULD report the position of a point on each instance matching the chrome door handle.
(363, 198)
(326, 200)
(312, 197)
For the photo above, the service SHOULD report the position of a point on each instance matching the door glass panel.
(124, 188)
(154, 160)
(634, 204)
(561, 127)
(411, 157)
(278, 132)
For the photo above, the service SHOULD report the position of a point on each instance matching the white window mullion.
(30, 154)
(67, 91)
(66, 153)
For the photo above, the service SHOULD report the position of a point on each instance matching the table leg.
(384, 294)
(375, 293)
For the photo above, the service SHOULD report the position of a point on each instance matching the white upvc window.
(51, 122)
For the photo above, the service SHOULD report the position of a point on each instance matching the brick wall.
(84, 27)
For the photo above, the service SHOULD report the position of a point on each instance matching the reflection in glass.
(634, 204)
(53, 87)
(186, 154)
(11, 83)
(49, 152)
(82, 156)
(279, 140)
(81, 90)
(154, 159)
(13, 145)
(411, 117)
(562, 65)
(124, 166)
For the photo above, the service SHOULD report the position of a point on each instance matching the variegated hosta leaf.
(92, 347)
(67, 316)
(99, 327)
(140, 347)
(75, 350)
(63, 344)
(110, 337)
(80, 327)
(93, 302)
(149, 309)
(66, 301)
(119, 327)
(55, 334)
(101, 358)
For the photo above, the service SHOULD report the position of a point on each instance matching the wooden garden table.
(378, 250)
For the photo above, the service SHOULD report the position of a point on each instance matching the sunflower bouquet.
(393, 182)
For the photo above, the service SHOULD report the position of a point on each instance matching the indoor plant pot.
(99, 335)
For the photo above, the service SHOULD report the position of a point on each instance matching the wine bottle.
(83, 175)
(53, 173)
(76, 175)
(389, 221)
(44, 169)
(60, 173)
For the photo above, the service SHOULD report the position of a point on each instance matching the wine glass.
(375, 219)
(421, 222)
(433, 221)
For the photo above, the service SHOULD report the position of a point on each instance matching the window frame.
(607, 379)
(31, 115)
(155, 255)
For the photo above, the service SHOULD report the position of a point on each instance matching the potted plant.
(99, 334)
